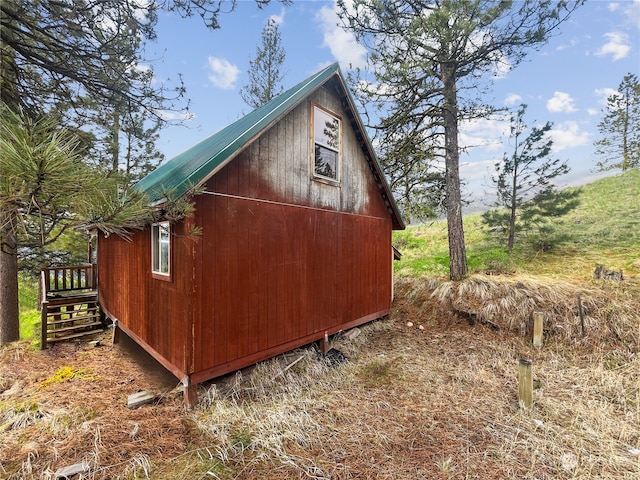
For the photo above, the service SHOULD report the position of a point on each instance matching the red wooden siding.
(157, 312)
(273, 274)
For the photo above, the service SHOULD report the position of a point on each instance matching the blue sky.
(566, 82)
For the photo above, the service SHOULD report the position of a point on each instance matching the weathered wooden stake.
(115, 337)
(325, 346)
(581, 313)
(525, 383)
(538, 329)
(43, 324)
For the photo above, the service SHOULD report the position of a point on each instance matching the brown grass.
(438, 402)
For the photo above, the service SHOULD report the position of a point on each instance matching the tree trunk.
(514, 203)
(9, 313)
(457, 249)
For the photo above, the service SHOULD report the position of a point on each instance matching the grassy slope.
(603, 229)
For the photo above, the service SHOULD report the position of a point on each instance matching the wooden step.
(68, 303)
(74, 327)
(52, 312)
(74, 335)
(72, 319)
(71, 316)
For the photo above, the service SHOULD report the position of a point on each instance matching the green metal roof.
(197, 164)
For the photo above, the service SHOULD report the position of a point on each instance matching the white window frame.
(320, 140)
(161, 243)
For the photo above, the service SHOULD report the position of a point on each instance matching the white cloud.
(342, 44)
(512, 99)
(618, 46)
(561, 102)
(632, 12)
(568, 135)
(171, 115)
(565, 46)
(477, 170)
(278, 19)
(484, 132)
(223, 74)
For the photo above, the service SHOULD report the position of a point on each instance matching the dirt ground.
(76, 382)
(424, 394)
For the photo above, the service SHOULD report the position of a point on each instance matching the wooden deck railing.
(67, 279)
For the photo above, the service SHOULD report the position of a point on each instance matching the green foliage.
(490, 260)
(70, 248)
(527, 200)
(30, 326)
(43, 177)
(46, 188)
(265, 70)
(28, 304)
(28, 292)
(376, 373)
(405, 239)
(414, 175)
(421, 254)
(196, 463)
(619, 146)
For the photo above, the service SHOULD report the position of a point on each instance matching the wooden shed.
(295, 243)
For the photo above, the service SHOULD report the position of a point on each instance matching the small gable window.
(326, 145)
(161, 248)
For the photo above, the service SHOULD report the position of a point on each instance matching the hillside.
(431, 392)
(602, 230)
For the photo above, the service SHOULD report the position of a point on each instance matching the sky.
(566, 82)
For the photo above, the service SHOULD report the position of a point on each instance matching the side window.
(161, 248)
(326, 145)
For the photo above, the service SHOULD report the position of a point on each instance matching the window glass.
(326, 134)
(160, 248)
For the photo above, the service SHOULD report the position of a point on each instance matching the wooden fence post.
(525, 383)
(538, 329)
(44, 306)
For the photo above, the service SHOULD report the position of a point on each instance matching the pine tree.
(265, 70)
(69, 63)
(524, 182)
(427, 58)
(620, 128)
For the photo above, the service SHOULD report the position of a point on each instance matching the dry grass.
(609, 309)
(438, 402)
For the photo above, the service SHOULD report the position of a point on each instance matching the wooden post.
(115, 339)
(43, 324)
(581, 313)
(538, 329)
(525, 383)
(325, 346)
(190, 392)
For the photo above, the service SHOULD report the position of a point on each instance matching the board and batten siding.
(156, 313)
